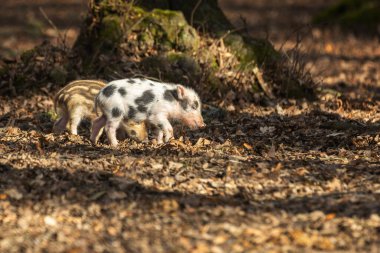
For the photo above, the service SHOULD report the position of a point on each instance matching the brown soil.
(281, 176)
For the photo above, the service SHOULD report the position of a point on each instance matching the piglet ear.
(180, 91)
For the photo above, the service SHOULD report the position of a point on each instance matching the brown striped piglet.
(75, 102)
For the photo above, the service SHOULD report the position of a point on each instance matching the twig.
(52, 25)
(245, 26)
(193, 12)
(295, 31)
(263, 84)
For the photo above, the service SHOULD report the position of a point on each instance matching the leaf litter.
(252, 180)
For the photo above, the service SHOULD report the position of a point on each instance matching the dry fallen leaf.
(334, 185)
(14, 193)
(247, 146)
(330, 216)
(301, 238)
(266, 129)
(202, 142)
(116, 195)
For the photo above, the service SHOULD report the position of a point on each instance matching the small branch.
(52, 25)
(193, 12)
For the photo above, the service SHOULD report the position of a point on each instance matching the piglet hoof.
(145, 141)
(157, 143)
(93, 141)
(169, 140)
(113, 145)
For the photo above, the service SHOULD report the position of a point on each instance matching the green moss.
(187, 38)
(110, 7)
(165, 29)
(208, 58)
(171, 16)
(110, 31)
(51, 115)
(250, 51)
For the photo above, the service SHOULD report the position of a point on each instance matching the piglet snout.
(196, 124)
(200, 124)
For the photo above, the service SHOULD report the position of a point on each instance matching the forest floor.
(286, 176)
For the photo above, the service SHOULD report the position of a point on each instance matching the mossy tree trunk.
(182, 41)
(206, 15)
(185, 41)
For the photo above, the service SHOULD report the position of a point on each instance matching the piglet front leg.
(164, 128)
(111, 127)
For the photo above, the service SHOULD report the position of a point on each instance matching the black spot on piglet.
(116, 112)
(131, 112)
(109, 90)
(170, 95)
(184, 103)
(133, 132)
(122, 91)
(146, 98)
(141, 108)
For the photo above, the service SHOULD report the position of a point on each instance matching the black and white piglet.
(146, 100)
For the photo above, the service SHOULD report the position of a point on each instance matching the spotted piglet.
(143, 100)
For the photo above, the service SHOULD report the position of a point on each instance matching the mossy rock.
(250, 51)
(110, 31)
(107, 28)
(160, 36)
(207, 15)
(165, 29)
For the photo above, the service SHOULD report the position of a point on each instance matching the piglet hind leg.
(74, 123)
(60, 124)
(75, 118)
(97, 128)
(111, 127)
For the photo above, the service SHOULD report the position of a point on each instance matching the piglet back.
(85, 89)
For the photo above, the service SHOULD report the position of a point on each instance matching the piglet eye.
(195, 105)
